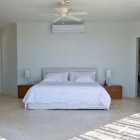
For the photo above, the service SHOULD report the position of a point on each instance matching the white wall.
(9, 59)
(104, 45)
(0, 60)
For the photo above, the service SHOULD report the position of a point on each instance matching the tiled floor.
(123, 129)
(19, 124)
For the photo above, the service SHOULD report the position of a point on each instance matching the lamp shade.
(27, 73)
(108, 73)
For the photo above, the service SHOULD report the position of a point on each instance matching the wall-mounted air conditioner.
(68, 28)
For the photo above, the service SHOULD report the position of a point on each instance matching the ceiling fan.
(64, 12)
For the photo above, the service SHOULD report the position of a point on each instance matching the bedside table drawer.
(115, 95)
(22, 90)
(115, 91)
(113, 88)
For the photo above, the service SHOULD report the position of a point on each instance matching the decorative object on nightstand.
(105, 84)
(22, 90)
(115, 91)
(108, 75)
(27, 74)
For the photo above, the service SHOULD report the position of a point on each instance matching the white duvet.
(70, 93)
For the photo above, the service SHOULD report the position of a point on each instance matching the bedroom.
(31, 45)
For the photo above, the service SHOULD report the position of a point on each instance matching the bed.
(61, 89)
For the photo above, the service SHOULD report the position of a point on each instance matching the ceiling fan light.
(64, 9)
(63, 15)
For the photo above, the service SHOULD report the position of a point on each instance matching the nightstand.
(115, 91)
(22, 90)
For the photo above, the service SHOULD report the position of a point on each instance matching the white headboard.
(47, 70)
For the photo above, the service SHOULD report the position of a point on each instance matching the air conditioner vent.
(68, 28)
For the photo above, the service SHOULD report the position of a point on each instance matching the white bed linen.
(68, 92)
(64, 106)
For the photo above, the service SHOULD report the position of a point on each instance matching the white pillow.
(82, 77)
(56, 77)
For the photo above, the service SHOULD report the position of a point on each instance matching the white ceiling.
(12, 11)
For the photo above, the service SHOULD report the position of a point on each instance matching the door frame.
(137, 61)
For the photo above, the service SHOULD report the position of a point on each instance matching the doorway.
(138, 89)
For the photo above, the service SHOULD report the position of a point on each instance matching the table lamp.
(27, 74)
(108, 74)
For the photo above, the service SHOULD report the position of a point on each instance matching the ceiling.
(12, 11)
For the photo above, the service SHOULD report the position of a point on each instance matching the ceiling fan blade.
(57, 19)
(74, 18)
(77, 13)
(58, 10)
(41, 15)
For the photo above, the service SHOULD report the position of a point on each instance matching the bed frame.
(64, 105)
